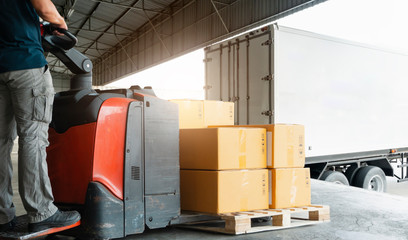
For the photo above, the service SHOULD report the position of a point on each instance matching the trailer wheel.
(371, 178)
(351, 172)
(335, 177)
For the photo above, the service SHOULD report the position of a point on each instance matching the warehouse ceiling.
(100, 25)
(122, 37)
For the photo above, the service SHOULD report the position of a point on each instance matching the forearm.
(47, 11)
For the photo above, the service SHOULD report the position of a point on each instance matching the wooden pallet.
(242, 222)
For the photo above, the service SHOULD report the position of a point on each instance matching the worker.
(26, 98)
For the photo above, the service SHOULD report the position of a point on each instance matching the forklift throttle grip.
(65, 42)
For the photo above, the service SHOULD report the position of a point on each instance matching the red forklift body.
(98, 155)
(113, 156)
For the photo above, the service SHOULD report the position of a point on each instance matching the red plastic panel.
(70, 157)
(110, 144)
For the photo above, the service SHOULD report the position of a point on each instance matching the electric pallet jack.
(113, 154)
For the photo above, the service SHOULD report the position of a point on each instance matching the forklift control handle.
(65, 42)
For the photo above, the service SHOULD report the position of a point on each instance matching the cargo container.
(349, 96)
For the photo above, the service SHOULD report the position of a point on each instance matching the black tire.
(351, 172)
(371, 178)
(335, 177)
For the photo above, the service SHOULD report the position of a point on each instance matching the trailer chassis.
(348, 168)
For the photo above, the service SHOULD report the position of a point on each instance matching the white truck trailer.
(349, 96)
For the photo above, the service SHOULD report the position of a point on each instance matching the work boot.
(59, 219)
(8, 226)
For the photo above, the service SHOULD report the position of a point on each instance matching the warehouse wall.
(194, 25)
(61, 81)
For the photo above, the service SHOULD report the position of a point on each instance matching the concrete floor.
(395, 188)
(355, 214)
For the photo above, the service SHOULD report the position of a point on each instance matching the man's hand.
(47, 11)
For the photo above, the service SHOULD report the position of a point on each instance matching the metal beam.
(98, 31)
(157, 11)
(208, 22)
(219, 15)
(127, 54)
(157, 34)
(69, 8)
(92, 41)
(88, 16)
(141, 32)
(114, 22)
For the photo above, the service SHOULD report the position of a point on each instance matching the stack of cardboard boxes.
(288, 179)
(224, 167)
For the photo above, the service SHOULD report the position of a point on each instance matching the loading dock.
(354, 214)
(374, 225)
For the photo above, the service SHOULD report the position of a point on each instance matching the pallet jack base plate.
(21, 230)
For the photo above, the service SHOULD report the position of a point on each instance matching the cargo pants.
(26, 98)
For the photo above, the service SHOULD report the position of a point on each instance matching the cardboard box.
(202, 113)
(222, 148)
(289, 187)
(285, 144)
(224, 191)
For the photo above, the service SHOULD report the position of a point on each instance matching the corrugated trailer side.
(349, 96)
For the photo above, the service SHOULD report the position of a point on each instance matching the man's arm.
(47, 11)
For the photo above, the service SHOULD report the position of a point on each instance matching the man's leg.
(7, 137)
(32, 96)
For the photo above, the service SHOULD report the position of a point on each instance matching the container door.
(240, 71)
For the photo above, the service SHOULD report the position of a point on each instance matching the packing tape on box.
(242, 149)
(270, 187)
(293, 189)
(244, 185)
(244, 204)
(269, 148)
